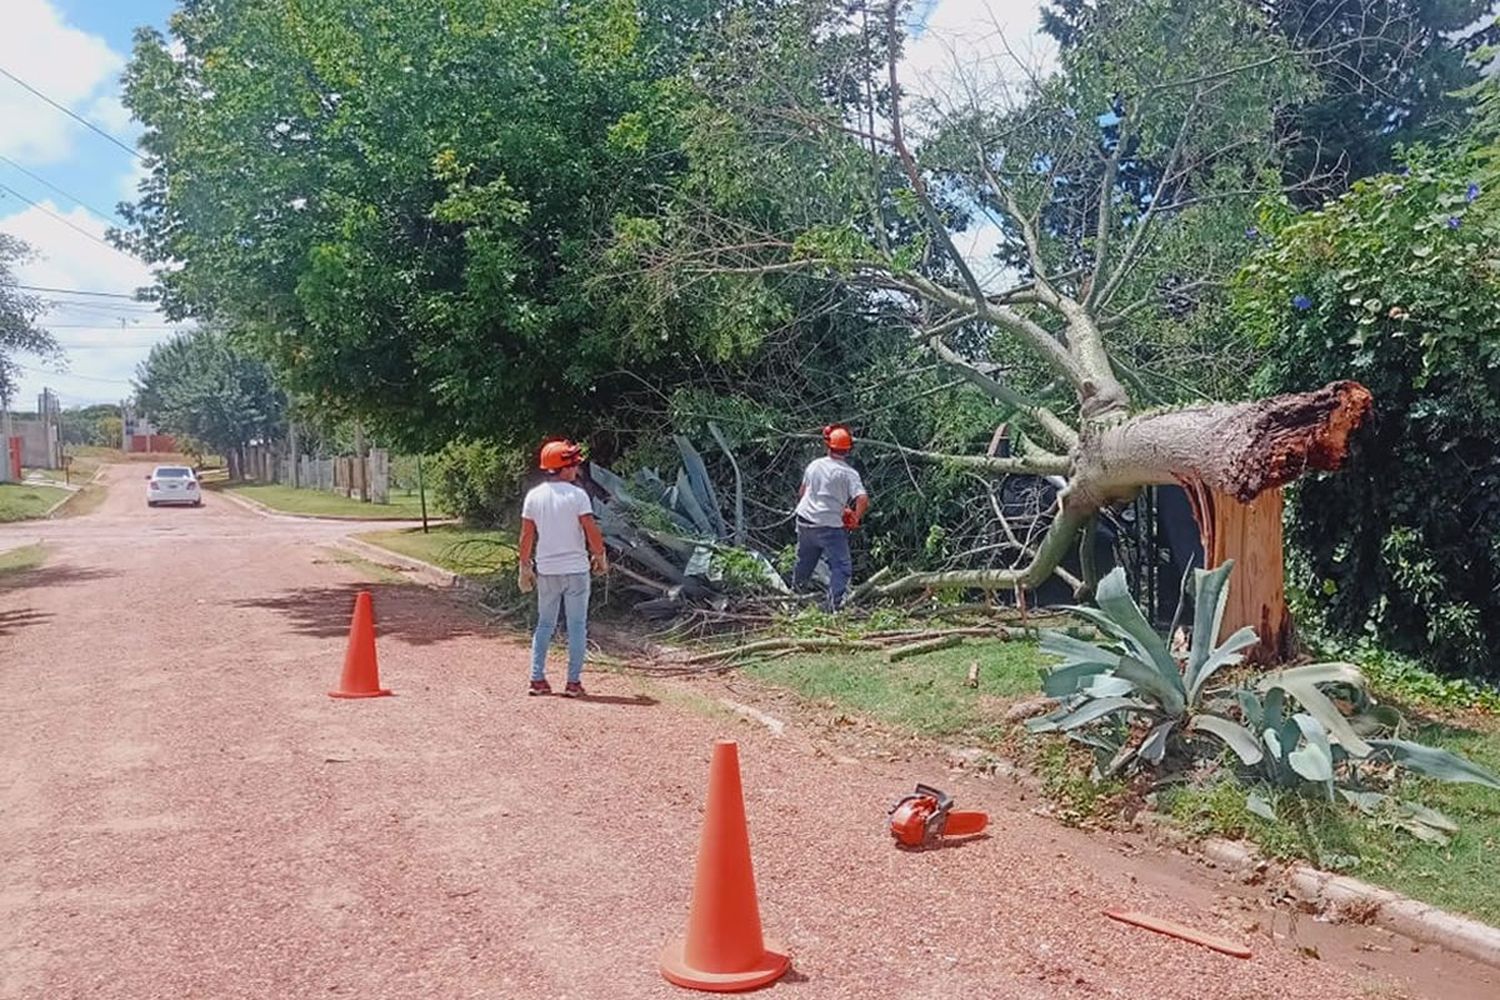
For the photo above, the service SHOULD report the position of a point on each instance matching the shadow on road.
(13, 621)
(403, 612)
(52, 576)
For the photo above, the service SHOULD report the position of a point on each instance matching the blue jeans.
(831, 544)
(571, 590)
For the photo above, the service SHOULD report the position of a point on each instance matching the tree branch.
(1044, 418)
(1055, 546)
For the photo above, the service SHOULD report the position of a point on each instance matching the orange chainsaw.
(927, 815)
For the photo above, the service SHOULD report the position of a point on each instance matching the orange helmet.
(838, 437)
(560, 455)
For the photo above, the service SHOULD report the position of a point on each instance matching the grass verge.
(317, 503)
(467, 551)
(925, 694)
(1456, 876)
(22, 559)
(25, 501)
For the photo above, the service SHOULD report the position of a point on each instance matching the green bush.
(479, 482)
(1397, 285)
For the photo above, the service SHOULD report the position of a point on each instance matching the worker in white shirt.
(560, 543)
(832, 502)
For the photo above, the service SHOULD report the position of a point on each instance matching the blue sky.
(74, 50)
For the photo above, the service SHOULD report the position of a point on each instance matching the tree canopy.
(201, 386)
(20, 332)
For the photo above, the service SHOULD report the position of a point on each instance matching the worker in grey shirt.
(831, 504)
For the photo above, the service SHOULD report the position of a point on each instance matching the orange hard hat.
(560, 455)
(838, 437)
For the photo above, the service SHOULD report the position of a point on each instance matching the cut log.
(918, 648)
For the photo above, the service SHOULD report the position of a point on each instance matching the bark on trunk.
(1240, 449)
(1250, 534)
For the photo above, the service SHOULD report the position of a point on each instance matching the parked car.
(173, 484)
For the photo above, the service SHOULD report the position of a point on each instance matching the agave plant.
(1135, 677)
(1131, 700)
(680, 548)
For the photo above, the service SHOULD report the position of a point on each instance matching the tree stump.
(1251, 535)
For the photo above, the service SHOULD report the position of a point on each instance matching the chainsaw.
(927, 815)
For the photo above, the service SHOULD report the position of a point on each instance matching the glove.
(526, 579)
(599, 563)
(851, 519)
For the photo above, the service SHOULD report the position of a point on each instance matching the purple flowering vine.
(1301, 303)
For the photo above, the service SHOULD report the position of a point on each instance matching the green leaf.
(1154, 747)
(1064, 681)
(1150, 683)
(1436, 763)
(702, 486)
(1211, 594)
(1097, 709)
(1074, 651)
(1227, 655)
(1115, 601)
(1239, 739)
(1300, 683)
(1314, 759)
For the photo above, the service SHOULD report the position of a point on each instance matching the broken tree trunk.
(1236, 451)
(1250, 534)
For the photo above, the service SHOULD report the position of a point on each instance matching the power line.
(86, 378)
(66, 194)
(44, 209)
(78, 291)
(73, 115)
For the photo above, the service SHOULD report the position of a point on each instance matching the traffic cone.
(361, 675)
(723, 950)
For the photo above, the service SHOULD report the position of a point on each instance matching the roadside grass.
(403, 507)
(27, 557)
(475, 552)
(1458, 876)
(25, 501)
(926, 694)
(374, 572)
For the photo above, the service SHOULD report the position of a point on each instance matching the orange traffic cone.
(723, 950)
(361, 675)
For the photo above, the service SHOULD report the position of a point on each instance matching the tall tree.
(19, 312)
(401, 199)
(201, 386)
(1191, 88)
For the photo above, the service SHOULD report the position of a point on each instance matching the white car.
(173, 484)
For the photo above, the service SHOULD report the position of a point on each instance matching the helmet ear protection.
(560, 455)
(837, 437)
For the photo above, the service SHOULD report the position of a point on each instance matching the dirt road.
(185, 814)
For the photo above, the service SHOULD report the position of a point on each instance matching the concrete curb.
(423, 572)
(265, 511)
(1340, 894)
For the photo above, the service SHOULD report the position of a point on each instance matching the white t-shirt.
(555, 507)
(829, 485)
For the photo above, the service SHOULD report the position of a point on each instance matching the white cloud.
(984, 46)
(103, 338)
(128, 189)
(66, 64)
(110, 114)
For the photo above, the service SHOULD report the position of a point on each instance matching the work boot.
(539, 687)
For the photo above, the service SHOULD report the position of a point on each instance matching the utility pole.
(6, 431)
(291, 442)
(362, 470)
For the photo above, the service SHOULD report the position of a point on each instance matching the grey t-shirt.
(829, 485)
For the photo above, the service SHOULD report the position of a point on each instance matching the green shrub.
(479, 482)
(1396, 285)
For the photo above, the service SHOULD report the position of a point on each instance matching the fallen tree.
(1110, 185)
